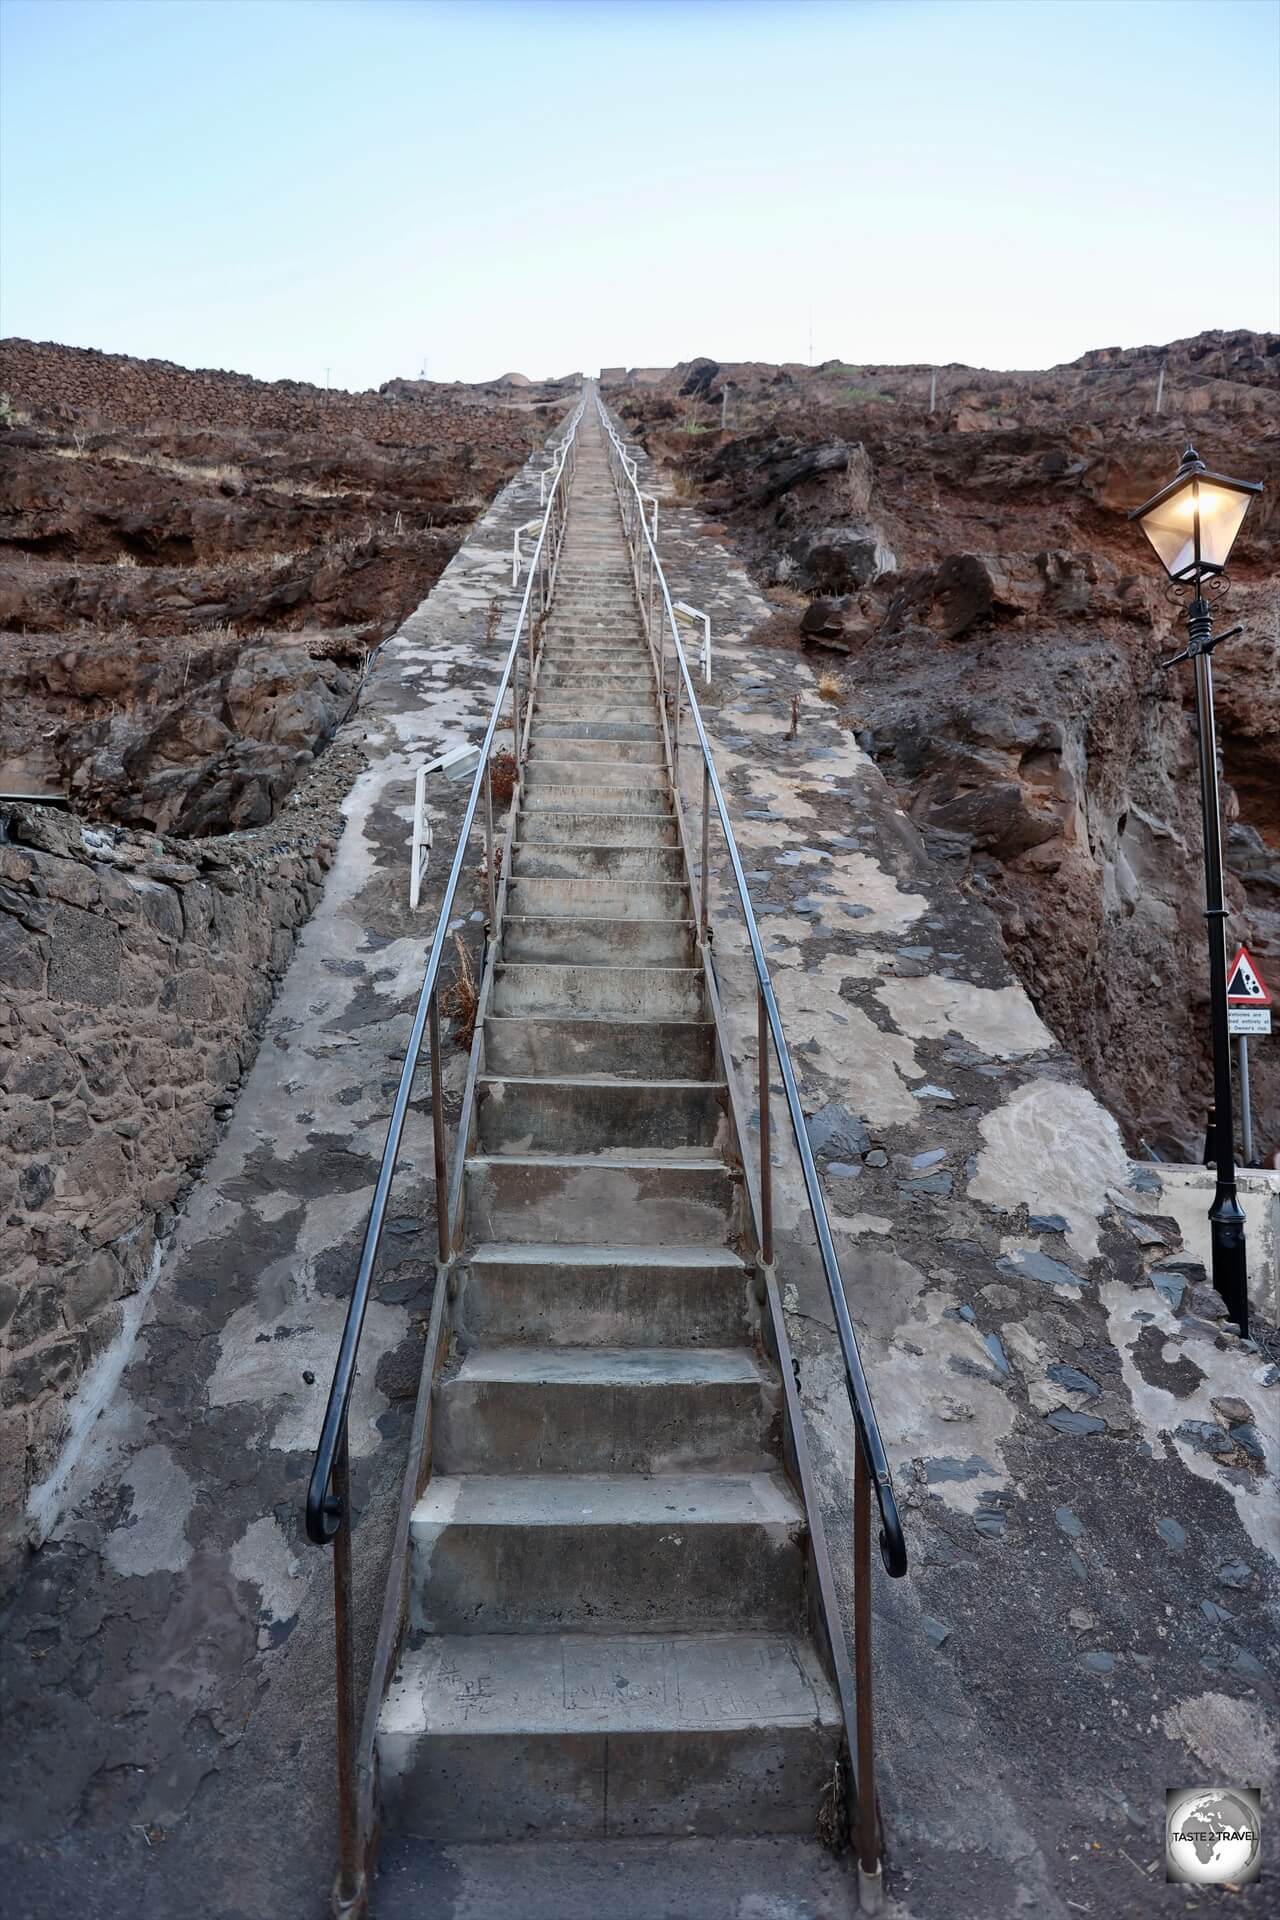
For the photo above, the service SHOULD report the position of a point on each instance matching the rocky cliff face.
(994, 628)
(194, 572)
(195, 568)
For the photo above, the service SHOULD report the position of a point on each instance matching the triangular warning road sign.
(1244, 983)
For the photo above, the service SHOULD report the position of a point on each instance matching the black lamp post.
(1192, 524)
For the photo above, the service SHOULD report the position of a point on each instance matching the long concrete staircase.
(612, 1623)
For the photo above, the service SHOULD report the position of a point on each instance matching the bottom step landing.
(503, 1736)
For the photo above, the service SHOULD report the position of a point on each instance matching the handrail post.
(348, 1892)
(515, 707)
(489, 849)
(437, 1129)
(766, 1157)
(867, 1836)
(706, 826)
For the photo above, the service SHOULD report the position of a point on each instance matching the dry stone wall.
(134, 975)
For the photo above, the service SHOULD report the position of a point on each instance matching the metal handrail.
(893, 1546)
(871, 1465)
(328, 1493)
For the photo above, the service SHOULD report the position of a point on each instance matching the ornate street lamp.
(1192, 524)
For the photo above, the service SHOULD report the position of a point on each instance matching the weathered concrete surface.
(167, 1659)
(1186, 1194)
(1088, 1471)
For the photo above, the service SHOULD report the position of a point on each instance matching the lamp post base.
(1230, 1268)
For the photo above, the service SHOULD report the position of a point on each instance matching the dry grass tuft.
(461, 1000)
(830, 688)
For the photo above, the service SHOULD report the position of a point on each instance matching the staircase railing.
(871, 1467)
(328, 1506)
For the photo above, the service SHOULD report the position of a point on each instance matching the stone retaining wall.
(133, 980)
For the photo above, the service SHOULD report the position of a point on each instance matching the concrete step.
(586, 1199)
(635, 993)
(596, 733)
(548, 860)
(551, 747)
(589, 1114)
(577, 1044)
(607, 1553)
(600, 899)
(560, 704)
(497, 1736)
(607, 1410)
(605, 1296)
(589, 795)
(594, 657)
(591, 683)
(590, 826)
(543, 769)
(560, 939)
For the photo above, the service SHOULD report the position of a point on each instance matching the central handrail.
(328, 1503)
(871, 1464)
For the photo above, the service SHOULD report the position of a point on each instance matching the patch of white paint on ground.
(262, 1555)
(999, 1021)
(877, 1065)
(152, 1538)
(262, 1363)
(1056, 1149)
(1232, 1739)
(958, 1436)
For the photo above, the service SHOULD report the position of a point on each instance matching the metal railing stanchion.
(705, 878)
(766, 1146)
(348, 1891)
(437, 1128)
(866, 1824)
(490, 851)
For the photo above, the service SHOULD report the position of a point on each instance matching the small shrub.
(830, 688)
(502, 777)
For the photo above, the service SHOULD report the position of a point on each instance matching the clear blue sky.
(282, 186)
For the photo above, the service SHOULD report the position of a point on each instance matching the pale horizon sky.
(359, 189)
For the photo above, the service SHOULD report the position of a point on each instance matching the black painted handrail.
(893, 1546)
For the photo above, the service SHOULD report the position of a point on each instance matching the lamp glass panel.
(1221, 511)
(1170, 527)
